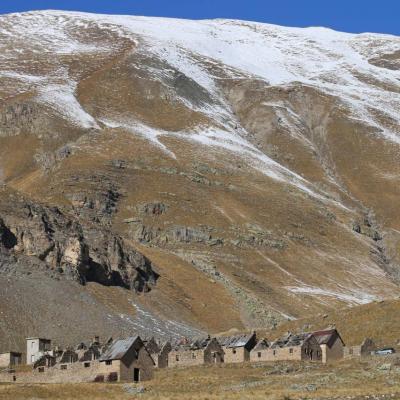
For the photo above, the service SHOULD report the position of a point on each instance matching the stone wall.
(259, 355)
(162, 357)
(213, 353)
(74, 373)
(335, 352)
(185, 358)
(283, 354)
(295, 353)
(363, 350)
(236, 355)
(129, 363)
(78, 372)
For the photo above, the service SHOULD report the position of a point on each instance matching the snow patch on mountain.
(61, 97)
(350, 296)
(334, 62)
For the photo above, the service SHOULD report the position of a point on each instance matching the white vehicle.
(385, 351)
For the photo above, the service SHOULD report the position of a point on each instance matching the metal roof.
(235, 341)
(326, 336)
(118, 349)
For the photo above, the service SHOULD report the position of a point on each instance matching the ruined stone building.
(10, 359)
(92, 351)
(159, 352)
(126, 360)
(364, 349)
(44, 362)
(68, 356)
(201, 351)
(35, 348)
(331, 344)
(237, 348)
(259, 352)
(291, 347)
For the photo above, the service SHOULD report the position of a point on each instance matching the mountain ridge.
(255, 162)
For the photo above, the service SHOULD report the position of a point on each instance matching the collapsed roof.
(262, 345)
(291, 340)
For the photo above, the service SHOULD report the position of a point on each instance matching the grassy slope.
(378, 320)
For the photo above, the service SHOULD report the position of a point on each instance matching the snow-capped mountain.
(253, 162)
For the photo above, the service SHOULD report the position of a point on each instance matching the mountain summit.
(186, 176)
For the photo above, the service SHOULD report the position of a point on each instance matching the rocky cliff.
(66, 247)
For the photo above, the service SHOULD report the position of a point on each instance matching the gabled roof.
(327, 336)
(118, 349)
(235, 341)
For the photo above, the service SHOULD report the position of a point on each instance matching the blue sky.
(346, 15)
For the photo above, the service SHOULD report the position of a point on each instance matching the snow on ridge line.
(65, 13)
(279, 55)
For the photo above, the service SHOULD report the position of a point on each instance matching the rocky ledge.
(62, 244)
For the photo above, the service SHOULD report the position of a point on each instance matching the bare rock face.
(17, 117)
(152, 209)
(83, 254)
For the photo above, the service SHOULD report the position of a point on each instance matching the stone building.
(91, 352)
(10, 359)
(291, 347)
(259, 352)
(35, 348)
(237, 348)
(68, 356)
(44, 362)
(331, 344)
(201, 351)
(363, 350)
(159, 352)
(126, 360)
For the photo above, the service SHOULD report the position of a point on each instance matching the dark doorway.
(136, 375)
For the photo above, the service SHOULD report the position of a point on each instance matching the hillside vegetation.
(177, 177)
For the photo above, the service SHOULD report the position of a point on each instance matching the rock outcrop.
(83, 253)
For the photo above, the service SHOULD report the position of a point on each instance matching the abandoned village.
(134, 359)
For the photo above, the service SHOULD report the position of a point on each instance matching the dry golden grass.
(62, 392)
(113, 297)
(379, 321)
(355, 379)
